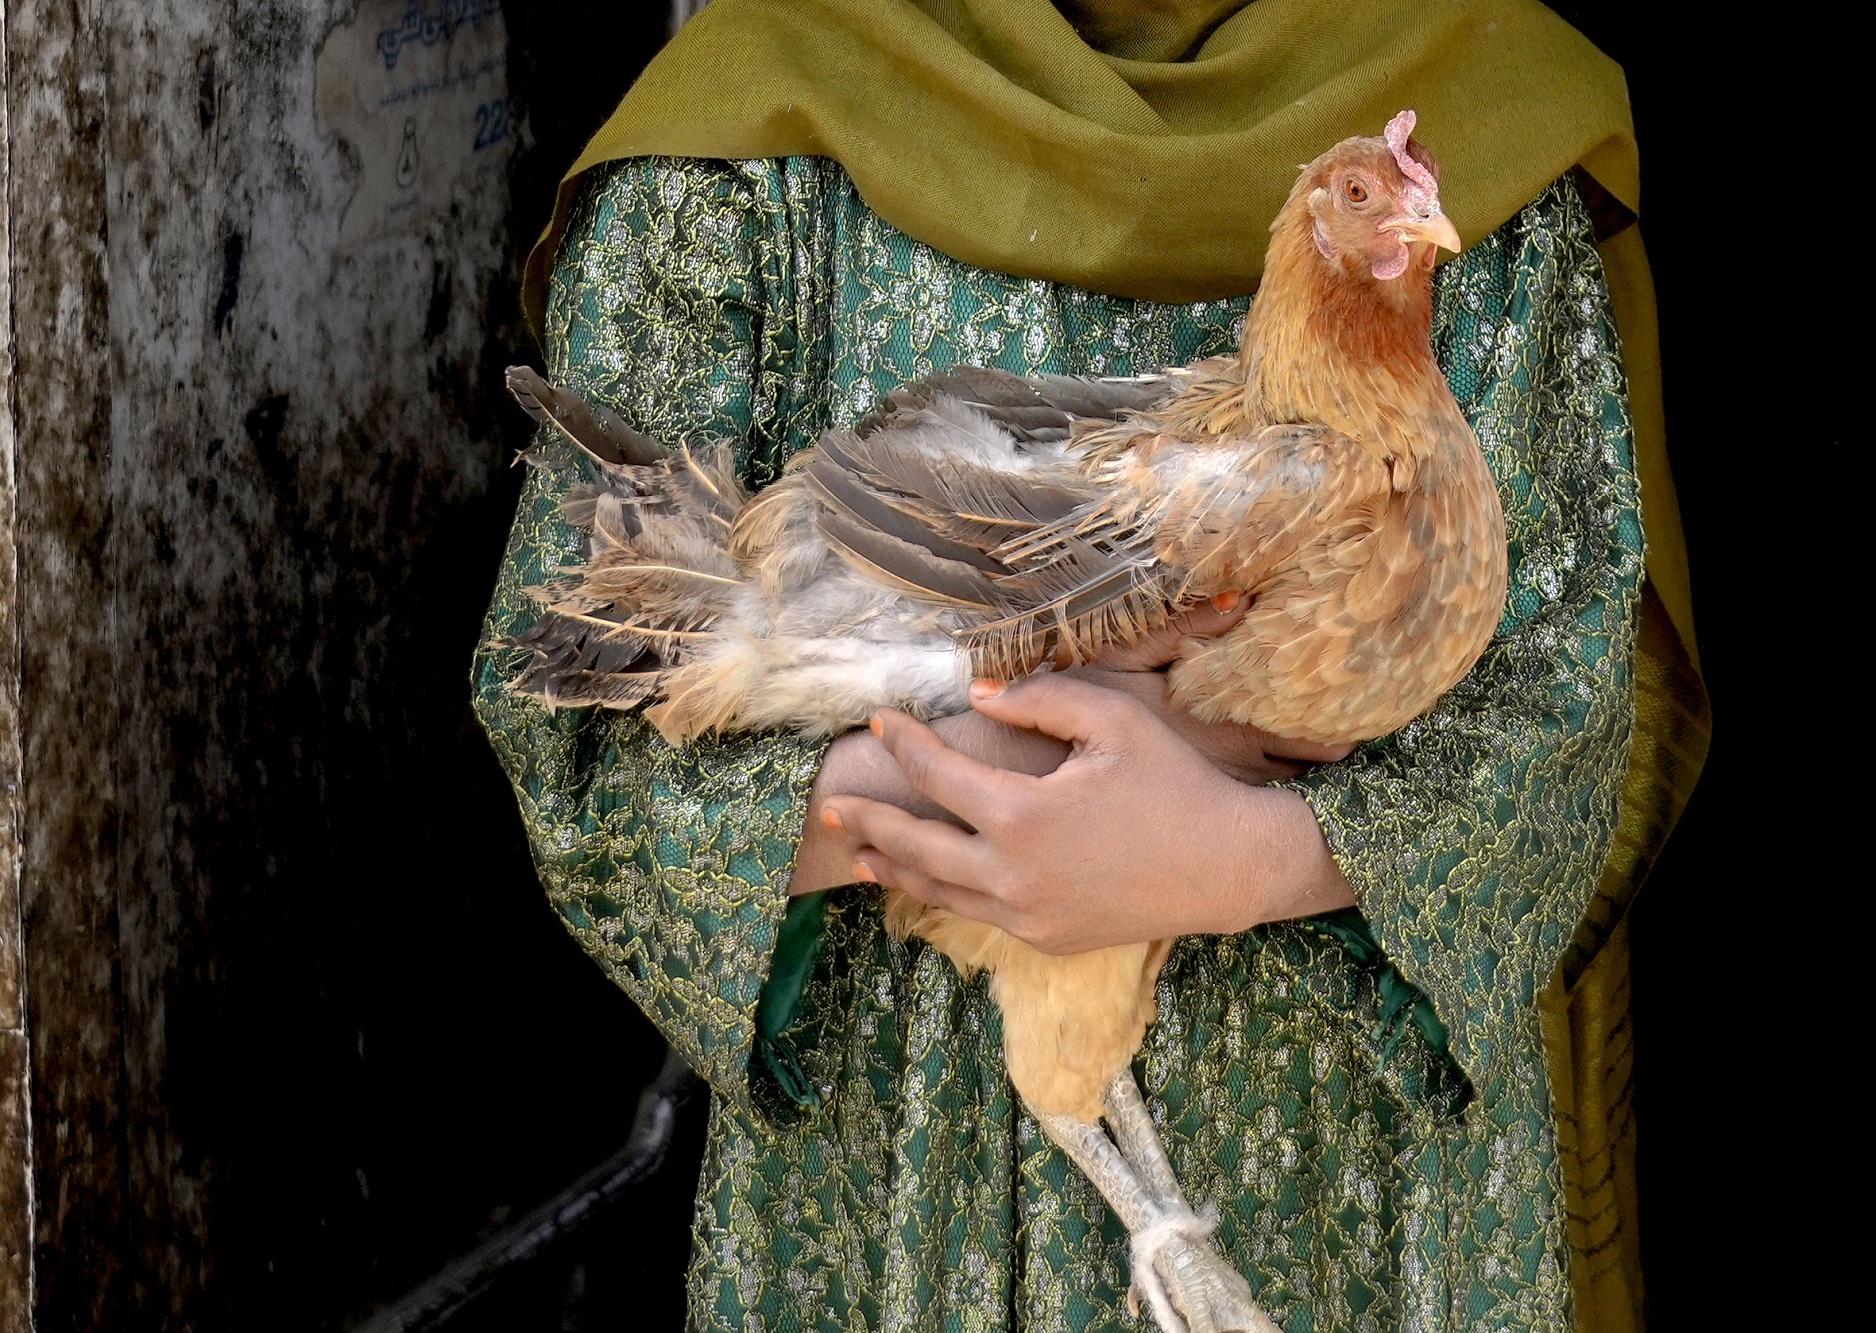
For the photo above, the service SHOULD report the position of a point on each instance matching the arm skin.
(1076, 811)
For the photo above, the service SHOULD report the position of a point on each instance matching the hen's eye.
(1356, 194)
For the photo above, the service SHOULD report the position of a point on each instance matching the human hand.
(858, 763)
(1238, 750)
(1136, 836)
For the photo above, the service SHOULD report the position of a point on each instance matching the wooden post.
(16, 1197)
(64, 802)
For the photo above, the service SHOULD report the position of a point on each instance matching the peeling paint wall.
(294, 1016)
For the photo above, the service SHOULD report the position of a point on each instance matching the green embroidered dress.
(1363, 1097)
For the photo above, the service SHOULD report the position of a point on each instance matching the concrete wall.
(282, 1011)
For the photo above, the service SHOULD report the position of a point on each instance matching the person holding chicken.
(1347, 1062)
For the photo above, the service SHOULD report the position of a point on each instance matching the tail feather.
(708, 694)
(592, 689)
(594, 427)
(1034, 409)
(659, 575)
(967, 495)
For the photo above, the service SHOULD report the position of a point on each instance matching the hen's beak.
(1437, 230)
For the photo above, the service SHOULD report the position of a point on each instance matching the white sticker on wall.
(418, 91)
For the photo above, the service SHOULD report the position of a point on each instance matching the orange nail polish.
(1227, 601)
(877, 726)
(863, 874)
(831, 818)
(987, 687)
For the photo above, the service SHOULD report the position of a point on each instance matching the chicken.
(980, 523)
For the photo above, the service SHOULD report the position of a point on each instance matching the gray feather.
(594, 427)
(1034, 409)
(841, 490)
(912, 569)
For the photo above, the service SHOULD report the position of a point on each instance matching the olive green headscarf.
(1141, 148)
(991, 130)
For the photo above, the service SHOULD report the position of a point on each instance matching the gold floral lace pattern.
(1364, 1182)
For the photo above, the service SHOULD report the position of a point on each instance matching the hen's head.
(1373, 205)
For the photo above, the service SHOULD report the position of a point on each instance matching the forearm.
(1275, 864)
(849, 768)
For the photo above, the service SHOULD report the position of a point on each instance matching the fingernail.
(877, 726)
(831, 818)
(987, 687)
(863, 874)
(1227, 601)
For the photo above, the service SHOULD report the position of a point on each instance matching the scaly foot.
(1176, 1272)
(1187, 1285)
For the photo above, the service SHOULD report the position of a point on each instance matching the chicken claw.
(1176, 1272)
(1191, 1289)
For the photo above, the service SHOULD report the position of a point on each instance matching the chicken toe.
(1191, 1288)
(1177, 1275)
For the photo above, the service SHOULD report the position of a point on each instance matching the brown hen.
(981, 523)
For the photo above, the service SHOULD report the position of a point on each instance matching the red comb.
(1398, 131)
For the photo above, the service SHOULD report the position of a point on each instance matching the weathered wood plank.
(16, 1288)
(16, 1198)
(68, 807)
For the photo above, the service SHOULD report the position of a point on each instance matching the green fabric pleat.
(797, 944)
(1402, 1004)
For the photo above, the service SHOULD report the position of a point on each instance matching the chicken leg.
(1182, 1279)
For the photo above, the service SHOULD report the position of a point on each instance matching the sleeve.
(671, 302)
(1474, 837)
